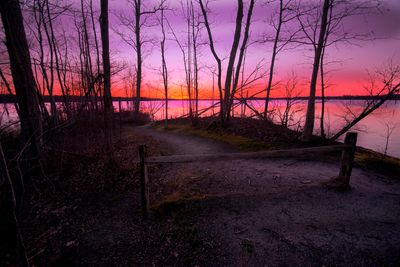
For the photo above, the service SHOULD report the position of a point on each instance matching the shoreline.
(10, 99)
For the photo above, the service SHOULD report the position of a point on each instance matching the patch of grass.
(174, 202)
(243, 143)
(365, 158)
(379, 163)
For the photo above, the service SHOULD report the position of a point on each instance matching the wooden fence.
(343, 180)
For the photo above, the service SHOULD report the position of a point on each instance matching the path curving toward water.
(182, 143)
(276, 212)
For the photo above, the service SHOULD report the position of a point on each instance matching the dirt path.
(186, 144)
(242, 213)
(113, 233)
(276, 212)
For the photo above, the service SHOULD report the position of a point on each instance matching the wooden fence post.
(120, 117)
(144, 188)
(342, 181)
(348, 157)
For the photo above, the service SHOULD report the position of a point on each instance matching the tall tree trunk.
(88, 57)
(38, 14)
(98, 92)
(322, 127)
(50, 83)
(217, 59)
(189, 63)
(232, 57)
(322, 70)
(95, 39)
(195, 63)
(164, 67)
(242, 54)
(272, 64)
(310, 115)
(56, 50)
(108, 109)
(138, 56)
(212, 93)
(24, 82)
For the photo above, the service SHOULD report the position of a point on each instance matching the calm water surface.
(374, 130)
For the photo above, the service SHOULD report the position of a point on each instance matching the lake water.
(373, 130)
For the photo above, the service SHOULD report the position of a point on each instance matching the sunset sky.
(346, 71)
(347, 76)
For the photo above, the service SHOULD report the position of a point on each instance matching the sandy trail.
(276, 212)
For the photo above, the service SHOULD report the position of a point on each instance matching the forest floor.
(226, 213)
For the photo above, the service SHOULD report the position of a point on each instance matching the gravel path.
(276, 212)
(186, 144)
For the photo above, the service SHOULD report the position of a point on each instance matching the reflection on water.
(374, 130)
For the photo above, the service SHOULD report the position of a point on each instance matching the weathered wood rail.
(341, 181)
(244, 155)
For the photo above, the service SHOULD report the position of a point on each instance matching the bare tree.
(291, 93)
(140, 20)
(312, 24)
(227, 94)
(98, 92)
(383, 85)
(47, 27)
(186, 59)
(231, 61)
(286, 13)
(43, 17)
(195, 34)
(309, 123)
(323, 88)
(87, 55)
(56, 50)
(189, 58)
(216, 57)
(241, 59)
(23, 79)
(138, 15)
(108, 108)
(390, 127)
(164, 66)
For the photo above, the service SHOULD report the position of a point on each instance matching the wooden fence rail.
(343, 180)
(283, 153)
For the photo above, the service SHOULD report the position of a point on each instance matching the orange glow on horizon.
(341, 87)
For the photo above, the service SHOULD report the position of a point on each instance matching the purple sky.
(350, 72)
(346, 77)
